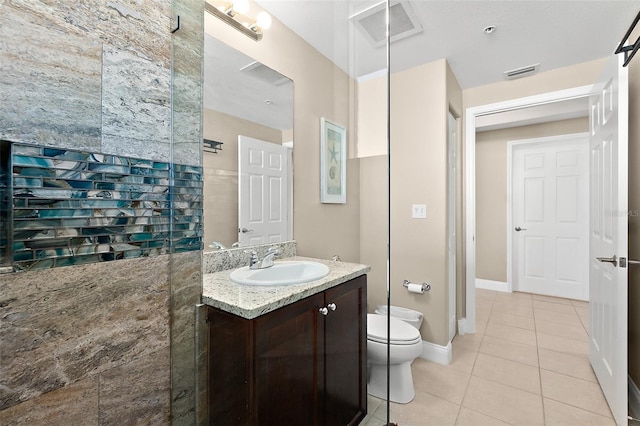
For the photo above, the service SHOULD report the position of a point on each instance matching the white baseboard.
(436, 353)
(492, 285)
(462, 326)
(634, 399)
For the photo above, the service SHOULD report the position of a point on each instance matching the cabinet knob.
(332, 306)
(323, 311)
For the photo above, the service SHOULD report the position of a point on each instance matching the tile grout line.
(535, 326)
(475, 359)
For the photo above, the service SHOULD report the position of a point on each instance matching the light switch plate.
(419, 211)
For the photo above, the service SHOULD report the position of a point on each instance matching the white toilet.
(405, 346)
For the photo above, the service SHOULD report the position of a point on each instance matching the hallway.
(526, 365)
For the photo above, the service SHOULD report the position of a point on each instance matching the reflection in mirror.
(248, 182)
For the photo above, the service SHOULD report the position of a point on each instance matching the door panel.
(288, 372)
(550, 215)
(609, 235)
(263, 204)
(346, 354)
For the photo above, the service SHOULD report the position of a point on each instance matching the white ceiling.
(554, 33)
(242, 94)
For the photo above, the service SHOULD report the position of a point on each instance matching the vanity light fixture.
(234, 15)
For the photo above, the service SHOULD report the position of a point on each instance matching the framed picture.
(333, 163)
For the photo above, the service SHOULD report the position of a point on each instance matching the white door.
(263, 208)
(609, 119)
(550, 216)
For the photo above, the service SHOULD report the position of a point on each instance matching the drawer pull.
(332, 306)
(323, 310)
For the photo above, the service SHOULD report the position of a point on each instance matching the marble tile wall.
(186, 268)
(187, 55)
(97, 76)
(90, 330)
(51, 77)
(96, 344)
(186, 284)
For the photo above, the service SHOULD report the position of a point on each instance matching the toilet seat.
(401, 332)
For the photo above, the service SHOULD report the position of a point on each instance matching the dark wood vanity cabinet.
(291, 366)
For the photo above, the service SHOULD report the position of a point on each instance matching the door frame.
(452, 239)
(468, 323)
(511, 145)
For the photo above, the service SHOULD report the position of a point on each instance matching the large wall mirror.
(248, 179)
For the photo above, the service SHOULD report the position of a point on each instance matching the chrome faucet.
(217, 245)
(266, 261)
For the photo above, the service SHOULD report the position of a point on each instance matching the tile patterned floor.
(526, 365)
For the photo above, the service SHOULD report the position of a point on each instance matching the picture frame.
(333, 163)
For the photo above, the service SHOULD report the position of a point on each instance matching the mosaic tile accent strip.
(5, 203)
(74, 207)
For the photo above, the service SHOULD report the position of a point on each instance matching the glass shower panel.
(423, 91)
(186, 207)
(369, 66)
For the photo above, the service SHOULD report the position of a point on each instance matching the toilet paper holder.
(425, 286)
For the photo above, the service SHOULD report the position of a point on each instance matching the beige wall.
(373, 227)
(320, 90)
(419, 106)
(221, 173)
(559, 79)
(491, 190)
(372, 117)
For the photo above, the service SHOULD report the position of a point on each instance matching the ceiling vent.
(262, 72)
(373, 22)
(521, 72)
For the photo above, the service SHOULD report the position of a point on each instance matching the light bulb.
(263, 20)
(241, 6)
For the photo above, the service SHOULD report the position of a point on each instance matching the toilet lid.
(401, 332)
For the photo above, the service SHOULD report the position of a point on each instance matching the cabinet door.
(229, 368)
(346, 354)
(288, 367)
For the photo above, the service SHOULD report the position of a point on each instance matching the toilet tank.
(407, 315)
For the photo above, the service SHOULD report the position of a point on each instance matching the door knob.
(613, 260)
(520, 229)
(245, 230)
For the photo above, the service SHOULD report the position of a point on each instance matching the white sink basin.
(281, 273)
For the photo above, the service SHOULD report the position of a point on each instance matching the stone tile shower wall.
(96, 343)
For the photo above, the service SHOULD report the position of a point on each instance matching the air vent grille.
(264, 73)
(521, 72)
(402, 22)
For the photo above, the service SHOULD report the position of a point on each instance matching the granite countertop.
(250, 302)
